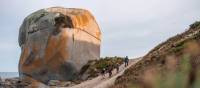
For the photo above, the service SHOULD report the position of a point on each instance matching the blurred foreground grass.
(174, 63)
(183, 77)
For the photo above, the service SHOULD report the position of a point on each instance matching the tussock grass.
(172, 64)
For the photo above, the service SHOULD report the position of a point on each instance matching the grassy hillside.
(172, 64)
(93, 68)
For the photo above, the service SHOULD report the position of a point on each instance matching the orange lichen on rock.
(56, 42)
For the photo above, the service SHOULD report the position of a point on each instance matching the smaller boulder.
(66, 84)
(58, 83)
(53, 83)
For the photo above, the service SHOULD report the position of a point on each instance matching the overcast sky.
(129, 27)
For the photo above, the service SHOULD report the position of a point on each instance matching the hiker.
(117, 67)
(110, 71)
(126, 60)
(103, 72)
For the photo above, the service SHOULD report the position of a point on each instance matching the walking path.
(105, 82)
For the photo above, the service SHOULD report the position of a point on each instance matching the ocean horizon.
(4, 75)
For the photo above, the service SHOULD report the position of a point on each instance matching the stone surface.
(32, 83)
(53, 82)
(56, 42)
(13, 83)
(58, 83)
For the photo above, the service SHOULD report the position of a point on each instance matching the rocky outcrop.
(18, 83)
(56, 42)
(13, 83)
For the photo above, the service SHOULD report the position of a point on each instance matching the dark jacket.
(126, 59)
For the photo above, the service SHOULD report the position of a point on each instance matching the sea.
(4, 75)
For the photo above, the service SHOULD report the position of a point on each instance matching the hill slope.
(165, 59)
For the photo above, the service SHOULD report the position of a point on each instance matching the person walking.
(126, 60)
(103, 72)
(117, 67)
(110, 70)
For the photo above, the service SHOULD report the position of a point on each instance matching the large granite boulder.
(56, 42)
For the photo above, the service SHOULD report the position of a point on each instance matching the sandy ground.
(105, 82)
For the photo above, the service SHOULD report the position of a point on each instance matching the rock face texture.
(56, 42)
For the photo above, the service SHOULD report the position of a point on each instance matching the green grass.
(94, 67)
(108, 61)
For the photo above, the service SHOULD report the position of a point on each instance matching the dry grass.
(172, 64)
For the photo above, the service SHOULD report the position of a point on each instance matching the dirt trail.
(100, 82)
